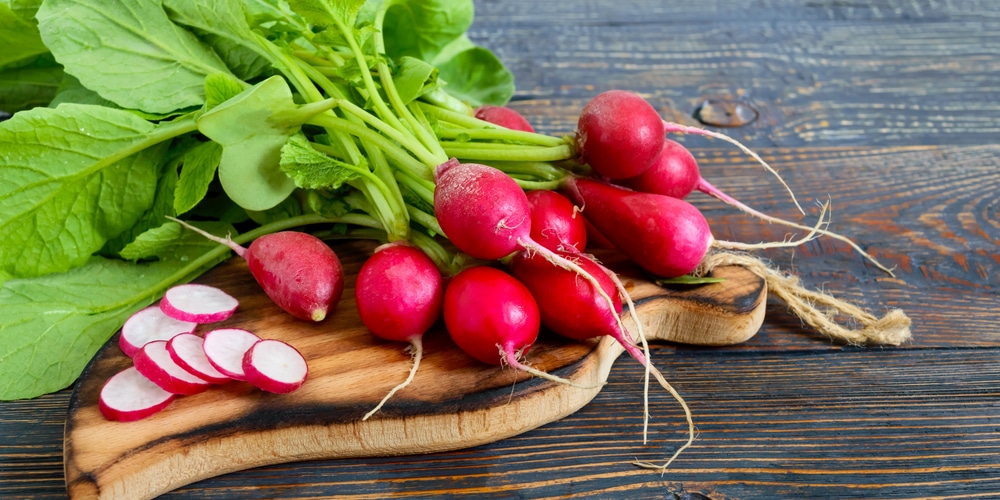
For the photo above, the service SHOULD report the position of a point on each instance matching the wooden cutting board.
(453, 402)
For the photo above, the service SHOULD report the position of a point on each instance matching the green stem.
(501, 134)
(414, 147)
(393, 151)
(486, 152)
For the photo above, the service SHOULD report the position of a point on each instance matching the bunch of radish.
(169, 359)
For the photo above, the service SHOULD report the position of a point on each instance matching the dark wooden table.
(888, 108)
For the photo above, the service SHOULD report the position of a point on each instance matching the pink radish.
(198, 303)
(275, 366)
(147, 325)
(555, 222)
(298, 271)
(399, 292)
(675, 173)
(225, 349)
(504, 117)
(155, 363)
(490, 315)
(188, 351)
(619, 134)
(128, 396)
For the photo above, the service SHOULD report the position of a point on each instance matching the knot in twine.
(817, 309)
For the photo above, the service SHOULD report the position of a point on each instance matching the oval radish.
(198, 303)
(298, 271)
(150, 324)
(619, 134)
(155, 363)
(225, 349)
(128, 396)
(188, 351)
(275, 366)
(555, 222)
(490, 315)
(504, 117)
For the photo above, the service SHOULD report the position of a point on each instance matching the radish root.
(511, 359)
(684, 129)
(417, 346)
(813, 232)
(817, 309)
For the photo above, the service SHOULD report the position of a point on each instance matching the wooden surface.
(889, 108)
(454, 401)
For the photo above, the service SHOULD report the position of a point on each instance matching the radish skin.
(504, 117)
(275, 366)
(619, 134)
(198, 303)
(147, 325)
(188, 351)
(555, 222)
(155, 363)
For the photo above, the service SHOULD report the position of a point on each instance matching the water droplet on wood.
(725, 113)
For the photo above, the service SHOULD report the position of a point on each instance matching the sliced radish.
(155, 363)
(274, 366)
(129, 396)
(225, 348)
(150, 324)
(198, 303)
(188, 351)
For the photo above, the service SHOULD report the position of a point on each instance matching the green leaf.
(314, 170)
(161, 207)
(223, 25)
(252, 127)
(73, 177)
(220, 87)
(30, 85)
(327, 12)
(413, 78)
(197, 173)
(53, 325)
(19, 36)
(477, 76)
(148, 51)
(152, 242)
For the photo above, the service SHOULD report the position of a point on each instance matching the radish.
(188, 351)
(147, 325)
(619, 134)
(298, 271)
(504, 117)
(665, 236)
(399, 292)
(555, 223)
(128, 396)
(197, 303)
(274, 366)
(675, 173)
(225, 349)
(155, 363)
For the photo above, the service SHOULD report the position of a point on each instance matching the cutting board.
(453, 402)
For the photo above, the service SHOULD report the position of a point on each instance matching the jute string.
(817, 309)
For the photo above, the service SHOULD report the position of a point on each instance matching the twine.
(817, 309)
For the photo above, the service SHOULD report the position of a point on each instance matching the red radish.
(504, 117)
(675, 173)
(399, 292)
(128, 396)
(555, 222)
(188, 351)
(155, 363)
(298, 271)
(594, 237)
(225, 349)
(619, 134)
(665, 236)
(275, 366)
(147, 325)
(490, 315)
(569, 306)
(198, 303)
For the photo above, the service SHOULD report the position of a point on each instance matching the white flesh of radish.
(225, 349)
(275, 366)
(155, 363)
(150, 324)
(129, 396)
(187, 350)
(198, 303)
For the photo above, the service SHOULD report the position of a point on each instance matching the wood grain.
(454, 401)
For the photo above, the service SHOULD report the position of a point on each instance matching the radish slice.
(198, 303)
(155, 363)
(225, 348)
(128, 396)
(274, 366)
(187, 350)
(147, 325)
